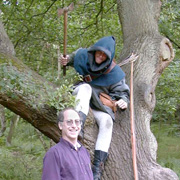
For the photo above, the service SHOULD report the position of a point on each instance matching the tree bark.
(13, 123)
(140, 34)
(5, 44)
(3, 120)
(39, 134)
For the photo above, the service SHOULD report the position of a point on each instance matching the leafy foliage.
(25, 158)
(168, 93)
(37, 31)
(169, 21)
(167, 90)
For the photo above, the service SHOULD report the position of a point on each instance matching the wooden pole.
(133, 137)
(65, 39)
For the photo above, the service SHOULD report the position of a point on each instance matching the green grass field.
(168, 138)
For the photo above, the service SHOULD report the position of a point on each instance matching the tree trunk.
(140, 35)
(5, 44)
(3, 121)
(13, 123)
(40, 136)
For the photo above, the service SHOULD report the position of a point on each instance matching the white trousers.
(105, 124)
(83, 95)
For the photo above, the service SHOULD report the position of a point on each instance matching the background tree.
(3, 120)
(29, 95)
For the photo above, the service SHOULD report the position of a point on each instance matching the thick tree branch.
(24, 102)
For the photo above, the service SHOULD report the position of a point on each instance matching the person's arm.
(51, 166)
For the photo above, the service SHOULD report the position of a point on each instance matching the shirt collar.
(67, 143)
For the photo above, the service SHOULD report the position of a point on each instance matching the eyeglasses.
(70, 122)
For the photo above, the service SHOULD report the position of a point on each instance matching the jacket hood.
(107, 45)
(84, 63)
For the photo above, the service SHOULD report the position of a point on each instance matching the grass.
(168, 154)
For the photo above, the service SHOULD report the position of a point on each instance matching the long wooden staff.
(133, 136)
(131, 59)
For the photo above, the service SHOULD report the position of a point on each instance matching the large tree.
(24, 92)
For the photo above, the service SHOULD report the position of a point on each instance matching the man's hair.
(61, 114)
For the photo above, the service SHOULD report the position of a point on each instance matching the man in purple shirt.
(68, 160)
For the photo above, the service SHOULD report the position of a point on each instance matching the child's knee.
(86, 88)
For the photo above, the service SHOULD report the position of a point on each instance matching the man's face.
(100, 57)
(69, 127)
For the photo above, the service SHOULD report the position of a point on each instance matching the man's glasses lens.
(70, 122)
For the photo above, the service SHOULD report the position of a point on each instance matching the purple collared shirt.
(63, 162)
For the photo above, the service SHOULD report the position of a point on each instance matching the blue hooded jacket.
(84, 63)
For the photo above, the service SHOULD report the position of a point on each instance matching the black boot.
(99, 159)
(83, 119)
